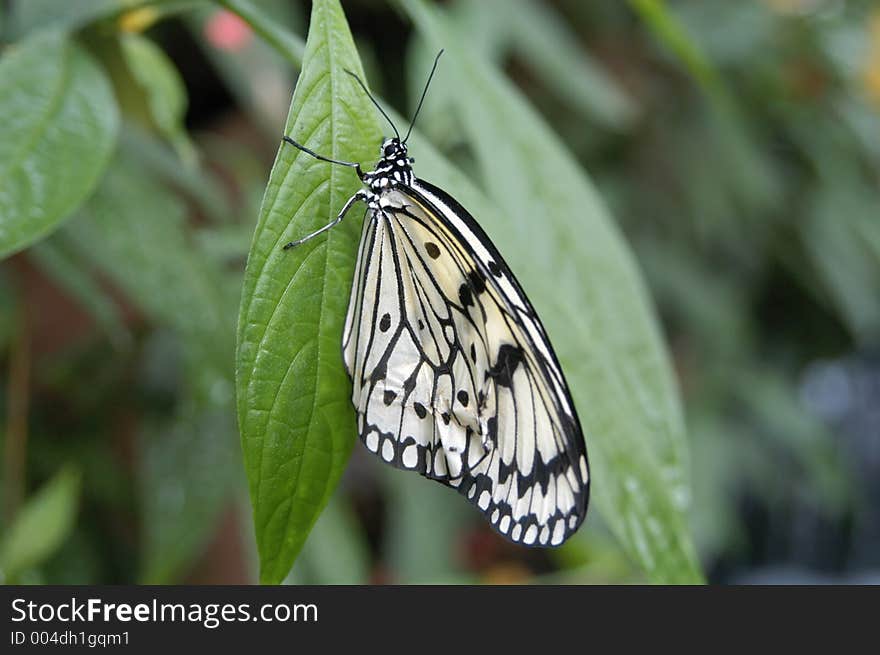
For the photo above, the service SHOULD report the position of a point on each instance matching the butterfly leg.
(350, 164)
(360, 195)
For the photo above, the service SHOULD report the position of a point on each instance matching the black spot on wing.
(464, 296)
(432, 250)
(385, 323)
(477, 281)
(509, 357)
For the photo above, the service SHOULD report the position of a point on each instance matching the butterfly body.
(453, 374)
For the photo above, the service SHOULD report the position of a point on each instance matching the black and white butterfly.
(453, 374)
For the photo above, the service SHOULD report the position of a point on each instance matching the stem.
(18, 403)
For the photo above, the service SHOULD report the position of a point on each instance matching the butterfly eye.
(389, 150)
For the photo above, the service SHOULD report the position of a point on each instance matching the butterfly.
(453, 375)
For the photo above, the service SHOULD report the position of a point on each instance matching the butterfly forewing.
(453, 375)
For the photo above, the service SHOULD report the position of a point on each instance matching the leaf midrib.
(327, 44)
(252, 281)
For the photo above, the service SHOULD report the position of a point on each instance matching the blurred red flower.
(226, 31)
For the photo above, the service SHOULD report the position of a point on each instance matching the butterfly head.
(394, 165)
(394, 150)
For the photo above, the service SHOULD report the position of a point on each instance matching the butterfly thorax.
(393, 168)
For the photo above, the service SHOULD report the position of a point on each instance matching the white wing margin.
(453, 375)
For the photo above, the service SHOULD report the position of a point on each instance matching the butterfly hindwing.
(453, 375)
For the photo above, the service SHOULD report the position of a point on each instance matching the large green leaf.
(295, 415)
(58, 125)
(41, 526)
(584, 283)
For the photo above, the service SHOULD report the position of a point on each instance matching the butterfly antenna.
(424, 93)
(378, 106)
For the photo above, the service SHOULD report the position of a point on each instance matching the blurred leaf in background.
(58, 126)
(40, 526)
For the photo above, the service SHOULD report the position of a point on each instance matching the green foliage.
(295, 414)
(41, 525)
(166, 95)
(422, 520)
(58, 263)
(572, 74)
(842, 234)
(32, 15)
(187, 463)
(37, 14)
(346, 563)
(734, 144)
(58, 125)
(671, 33)
(640, 516)
(187, 473)
(523, 28)
(145, 250)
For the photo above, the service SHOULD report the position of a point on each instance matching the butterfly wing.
(453, 375)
